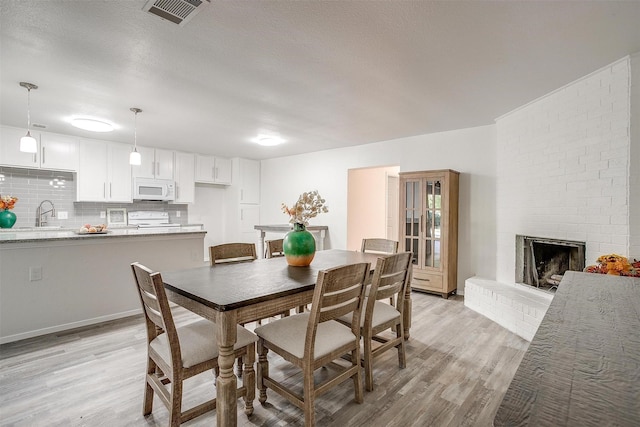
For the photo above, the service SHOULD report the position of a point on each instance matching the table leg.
(261, 235)
(226, 383)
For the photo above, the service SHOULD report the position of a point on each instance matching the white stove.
(150, 219)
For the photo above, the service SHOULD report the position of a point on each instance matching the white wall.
(471, 151)
(564, 167)
(634, 155)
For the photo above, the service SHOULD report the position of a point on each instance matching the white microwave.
(154, 189)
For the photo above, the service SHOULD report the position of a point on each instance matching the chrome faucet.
(40, 213)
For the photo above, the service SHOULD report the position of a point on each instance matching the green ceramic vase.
(7, 219)
(299, 246)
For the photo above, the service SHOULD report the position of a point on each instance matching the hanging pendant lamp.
(28, 144)
(134, 158)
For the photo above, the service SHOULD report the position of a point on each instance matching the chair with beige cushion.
(390, 280)
(232, 252)
(177, 353)
(273, 248)
(379, 246)
(314, 339)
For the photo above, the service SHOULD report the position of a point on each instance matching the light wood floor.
(459, 365)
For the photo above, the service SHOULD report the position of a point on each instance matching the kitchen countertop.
(33, 235)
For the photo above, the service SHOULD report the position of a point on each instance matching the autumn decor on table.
(298, 245)
(616, 265)
(7, 218)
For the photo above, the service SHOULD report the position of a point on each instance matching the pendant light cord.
(28, 109)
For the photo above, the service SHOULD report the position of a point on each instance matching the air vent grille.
(176, 11)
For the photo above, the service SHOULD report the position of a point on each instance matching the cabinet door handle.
(153, 168)
(110, 193)
(213, 172)
(104, 190)
(157, 168)
(42, 157)
(241, 214)
(216, 173)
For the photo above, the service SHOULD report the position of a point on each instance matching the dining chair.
(176, 353)
(273, 248)
(232, 252)
(390, 280)
(379, 246)
(313, 339)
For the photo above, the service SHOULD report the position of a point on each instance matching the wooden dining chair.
(273, 248)
(232, 252)
(379, 246)
(390, 280)
(175, 353)
(314, 339)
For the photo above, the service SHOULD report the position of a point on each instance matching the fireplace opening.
(541, 262)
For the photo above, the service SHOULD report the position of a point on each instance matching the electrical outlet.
(63, 215)
(35, 273)
(178, 213)
(103, 214)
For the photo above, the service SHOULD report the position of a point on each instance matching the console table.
(319, 232)
(582, 367)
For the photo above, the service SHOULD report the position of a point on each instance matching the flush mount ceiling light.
(134, 158)
(91, 124)
(268, 140)
(28, 144)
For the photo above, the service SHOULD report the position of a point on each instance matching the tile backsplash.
(32, 186)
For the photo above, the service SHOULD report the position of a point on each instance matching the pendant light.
(28, 144)
(134, 158)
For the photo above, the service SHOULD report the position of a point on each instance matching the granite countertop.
(34, 235)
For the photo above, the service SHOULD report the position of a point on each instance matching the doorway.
(372, 204)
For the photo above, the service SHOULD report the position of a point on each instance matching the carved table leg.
(226, 383)
(263, 370)
(249, 380)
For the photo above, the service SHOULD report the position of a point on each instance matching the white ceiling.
(321, 74)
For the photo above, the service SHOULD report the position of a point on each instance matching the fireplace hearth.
(541, 261)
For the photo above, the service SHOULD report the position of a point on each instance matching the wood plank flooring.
(459, 365)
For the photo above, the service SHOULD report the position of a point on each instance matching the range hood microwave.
(154, 189)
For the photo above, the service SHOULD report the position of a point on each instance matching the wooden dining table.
(230, 294)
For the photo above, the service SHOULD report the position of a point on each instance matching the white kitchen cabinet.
(213, 170)
(55, 152)
(156, 163)
(249, 181)
(104, 174)
(184, 172)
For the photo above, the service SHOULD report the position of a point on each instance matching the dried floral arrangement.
(616, 265)
(7, 202)
(308, 206)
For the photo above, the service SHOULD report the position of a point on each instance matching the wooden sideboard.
(582, 367)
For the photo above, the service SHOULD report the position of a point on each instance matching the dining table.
(237, 293)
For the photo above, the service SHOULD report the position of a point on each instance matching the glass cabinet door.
(431, 244)
(412, 211)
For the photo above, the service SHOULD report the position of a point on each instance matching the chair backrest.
(381, 246)
(390, 279)
(273, 248)
(338, 291)
(232, 252)
(156, 309)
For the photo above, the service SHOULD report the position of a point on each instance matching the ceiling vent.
(176, 11)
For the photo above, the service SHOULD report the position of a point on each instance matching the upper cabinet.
(104, 174)
(213, 170)
(184, 172)
(156, 163)
(56, 152)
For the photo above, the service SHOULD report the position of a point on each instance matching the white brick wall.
(565, 167)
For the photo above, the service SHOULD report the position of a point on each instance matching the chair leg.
(147, 406)
(263, 370)
(368, 363)
(357, 378)
(239, 367)
(175, 411)
(249, 379)
(309, 397)
(402, 355)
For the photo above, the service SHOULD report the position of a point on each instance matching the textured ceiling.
(320, 74)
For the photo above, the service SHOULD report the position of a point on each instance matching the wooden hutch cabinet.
(429, 228)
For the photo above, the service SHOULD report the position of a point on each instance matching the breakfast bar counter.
(56, 279)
